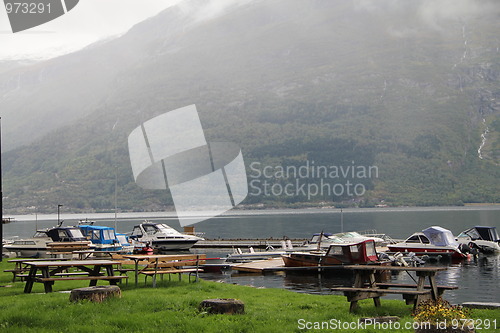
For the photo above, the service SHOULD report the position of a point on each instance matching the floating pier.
(274, 265)
(261, 266)
(246, 243)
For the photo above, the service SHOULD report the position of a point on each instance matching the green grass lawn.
(173, 307)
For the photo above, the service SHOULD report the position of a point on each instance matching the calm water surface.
(477, 280)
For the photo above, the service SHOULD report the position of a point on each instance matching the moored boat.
(103, 238)
(363, 252)
(324, 240)
(433, 241)
(485, 239)
(162, 237)
(37, 246)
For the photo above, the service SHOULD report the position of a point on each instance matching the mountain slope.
(292, 82)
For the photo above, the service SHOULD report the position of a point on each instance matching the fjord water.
(477, 279)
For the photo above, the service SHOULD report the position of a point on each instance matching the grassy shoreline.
(173, 307)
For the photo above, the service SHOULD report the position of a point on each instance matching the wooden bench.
(356, 294)
(66, 248)
(441, 289)
(177, 264)
(19, 269)
(17, 273)
(75, 278)
(58, 274)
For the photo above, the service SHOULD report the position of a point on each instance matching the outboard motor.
(383, 256)
(415, 260)
(399, 260)
(464, 248)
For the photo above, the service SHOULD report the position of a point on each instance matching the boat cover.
(99, 234)
(487, 233)
(440, 236)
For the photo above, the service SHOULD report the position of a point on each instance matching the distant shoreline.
(238, 212)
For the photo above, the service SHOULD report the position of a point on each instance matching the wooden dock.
(274, 265)
(261, 266)
(246, 243)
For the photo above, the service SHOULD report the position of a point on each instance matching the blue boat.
(127, 247)
(102, 238)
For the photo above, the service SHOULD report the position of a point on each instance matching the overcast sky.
(88, 22)
(93, 20)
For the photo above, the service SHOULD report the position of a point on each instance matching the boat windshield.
(75, 233)
(137, 232)
(413, 239)
(334, 239)
(150, 229)
(166, 229)
(122, 239)
(108, 234)
(370, 250)
(472, 233)
(40, 234)
(335, 250)
(94, 234)
(355, 253)
(494, 235)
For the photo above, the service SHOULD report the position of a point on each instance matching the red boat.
(338, 254)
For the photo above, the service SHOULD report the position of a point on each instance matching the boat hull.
(172, 245)
(28, 252)
(487, 247)
(308, 260)
(434, 251)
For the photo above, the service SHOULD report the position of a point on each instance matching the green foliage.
(287, 90)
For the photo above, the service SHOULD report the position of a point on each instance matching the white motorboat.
(485, 239)
(435, 241)
(37, 245)
(162, 237)
(324, 240)
(356, 237)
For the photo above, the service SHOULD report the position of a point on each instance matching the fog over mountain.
(411, 87)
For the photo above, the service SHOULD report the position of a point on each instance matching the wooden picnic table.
(51, 272)
(149, 258)
(365, 285)
(21, 268)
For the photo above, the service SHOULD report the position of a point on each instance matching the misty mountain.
(407, 87)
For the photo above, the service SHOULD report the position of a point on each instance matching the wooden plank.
(409, 285)
(383, 291)
(172, 271)
(481, 305)
(395, 268)
(165, 256)
(104, 277)
(71, 263)
(259, 266)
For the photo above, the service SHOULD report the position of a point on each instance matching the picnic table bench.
(51, 271)
(62, 248)
(365, 285)
(167, 264)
